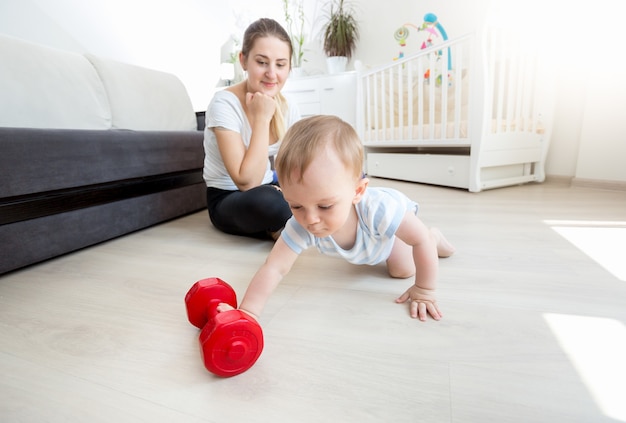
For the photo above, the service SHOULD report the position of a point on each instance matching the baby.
(319, 167)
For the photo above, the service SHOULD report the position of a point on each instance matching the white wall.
(602, 153)
(185, 38)
(182, 37)
(589, 140)
(382, 18)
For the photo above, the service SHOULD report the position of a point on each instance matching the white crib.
(474, 112)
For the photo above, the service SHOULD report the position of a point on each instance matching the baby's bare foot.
(444, 248)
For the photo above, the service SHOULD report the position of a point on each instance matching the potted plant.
(340, 35)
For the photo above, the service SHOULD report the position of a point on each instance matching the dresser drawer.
(309, 109)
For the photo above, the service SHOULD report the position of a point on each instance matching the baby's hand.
(223, 307)
(422, 303)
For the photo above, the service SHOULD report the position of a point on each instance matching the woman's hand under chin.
(260, 105)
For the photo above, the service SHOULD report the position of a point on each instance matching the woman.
(244, 126)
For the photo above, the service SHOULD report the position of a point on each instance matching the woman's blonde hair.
(261, 28)
(277, 124)
(308, 137)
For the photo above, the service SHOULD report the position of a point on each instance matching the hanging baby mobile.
(432, 30)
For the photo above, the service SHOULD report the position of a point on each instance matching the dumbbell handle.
(211, 308)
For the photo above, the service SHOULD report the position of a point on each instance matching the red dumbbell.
(231, 341)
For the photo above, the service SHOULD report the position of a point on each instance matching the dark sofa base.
(25, 207)
(35, 240)
(63, 190)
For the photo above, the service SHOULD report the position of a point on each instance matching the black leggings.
(255, 213)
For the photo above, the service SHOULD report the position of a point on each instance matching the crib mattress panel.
(497, 131)
(413, 133)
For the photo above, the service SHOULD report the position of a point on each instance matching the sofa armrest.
(201, 118)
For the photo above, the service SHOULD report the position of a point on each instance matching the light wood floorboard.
(533, 328)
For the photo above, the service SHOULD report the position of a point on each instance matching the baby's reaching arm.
(266, 279)
(424, 247)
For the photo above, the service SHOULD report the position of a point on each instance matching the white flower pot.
(336, 64)
(297, 72)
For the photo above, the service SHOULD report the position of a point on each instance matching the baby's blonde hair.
(308, 137)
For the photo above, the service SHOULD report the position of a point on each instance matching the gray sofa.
(90, 149)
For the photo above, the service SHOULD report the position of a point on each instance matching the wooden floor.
(534, 307)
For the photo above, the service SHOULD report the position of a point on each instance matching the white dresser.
(325, 94)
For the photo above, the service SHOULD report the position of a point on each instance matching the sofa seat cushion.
(41, 160)
(43, 87)
(145, 99)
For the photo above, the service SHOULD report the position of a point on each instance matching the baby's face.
(323, 200)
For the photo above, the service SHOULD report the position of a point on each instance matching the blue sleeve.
(296, 237)
(386, 209)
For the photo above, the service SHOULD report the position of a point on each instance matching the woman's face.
(268, 65)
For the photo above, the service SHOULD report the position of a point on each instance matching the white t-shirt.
(226, 111)
(380, 213)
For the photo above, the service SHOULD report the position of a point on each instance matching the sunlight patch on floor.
(596, 347)
(604, 242)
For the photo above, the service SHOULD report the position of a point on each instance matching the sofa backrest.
(144, 99)
(44, 87)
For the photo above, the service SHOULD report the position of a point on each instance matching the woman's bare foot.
(444, 248)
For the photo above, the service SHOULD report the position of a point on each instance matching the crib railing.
(492, 86)
(512, 82)
(419, 99)
(476, 118)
